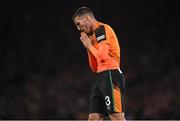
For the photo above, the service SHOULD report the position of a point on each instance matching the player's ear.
(87, 17)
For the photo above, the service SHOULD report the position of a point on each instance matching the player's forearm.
(101, 52)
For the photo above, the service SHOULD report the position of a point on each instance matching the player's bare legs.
(95, 116)
(117, 117)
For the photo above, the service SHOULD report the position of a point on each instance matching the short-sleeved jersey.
(104, 54)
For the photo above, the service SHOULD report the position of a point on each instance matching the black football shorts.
(107, 93)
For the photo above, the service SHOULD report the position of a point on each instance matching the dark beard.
(90, 33)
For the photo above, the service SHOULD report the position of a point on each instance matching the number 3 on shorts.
(107, 100)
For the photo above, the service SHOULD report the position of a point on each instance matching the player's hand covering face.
(85, 40)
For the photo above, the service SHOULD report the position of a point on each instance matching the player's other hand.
(85, 40)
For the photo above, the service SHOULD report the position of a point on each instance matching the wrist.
(88, 46)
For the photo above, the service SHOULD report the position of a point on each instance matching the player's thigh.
(117, 116)
(112, 91)
(96, 102)
(95, 116)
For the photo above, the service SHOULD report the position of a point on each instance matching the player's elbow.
(102, 56)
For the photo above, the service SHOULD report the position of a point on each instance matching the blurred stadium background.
(44, 73)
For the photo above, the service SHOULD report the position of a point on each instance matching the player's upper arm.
(102, 34)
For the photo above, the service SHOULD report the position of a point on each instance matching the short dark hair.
(82, 11)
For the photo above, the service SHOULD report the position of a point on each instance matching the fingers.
(85, 40)
(81, 39)
(84, 36)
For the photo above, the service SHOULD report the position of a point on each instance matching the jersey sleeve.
(103, 39)
(102, 34)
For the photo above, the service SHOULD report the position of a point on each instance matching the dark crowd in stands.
(44, 72)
